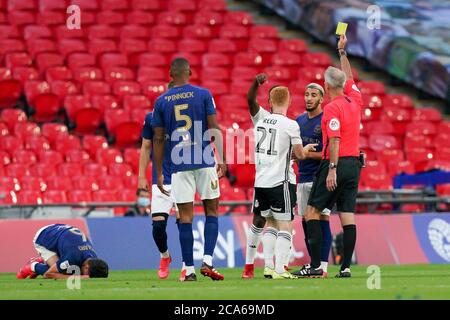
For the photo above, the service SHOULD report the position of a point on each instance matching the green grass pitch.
(397, 282)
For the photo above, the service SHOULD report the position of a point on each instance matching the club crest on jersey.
(317, 129)
(214, 184)
(334, 124)
(256, 203)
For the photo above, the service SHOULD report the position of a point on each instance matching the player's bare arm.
(345, 64)
(334, 158)
(158, 148)
(253, 92)
(301, 153)
(144, 159)
(216, 135)
(53, 273)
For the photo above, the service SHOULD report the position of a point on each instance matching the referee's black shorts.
(344, 196)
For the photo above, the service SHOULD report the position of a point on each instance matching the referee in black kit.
(337, 179)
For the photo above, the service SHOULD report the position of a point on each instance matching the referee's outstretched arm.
(253, 92)
(345, 64)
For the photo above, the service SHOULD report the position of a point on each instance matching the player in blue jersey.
(161, 204)
(187, 114)
(63, 249)
(311, 132)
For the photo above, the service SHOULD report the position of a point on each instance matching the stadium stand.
(76, 99)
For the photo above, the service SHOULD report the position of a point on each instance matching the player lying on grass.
(277, 137)
(63, 248)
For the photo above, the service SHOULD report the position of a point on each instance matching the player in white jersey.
(276, 138)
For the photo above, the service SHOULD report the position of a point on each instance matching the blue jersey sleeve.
(66, 261)
(158, 115)
(147, 130)
(209, 104)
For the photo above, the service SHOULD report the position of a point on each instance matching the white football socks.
(282, 250)
(269, 239)
(253, 238)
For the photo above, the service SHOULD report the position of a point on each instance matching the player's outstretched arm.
(301, 153)
(253, 92)
(144, 159)
(53, 273)
(345, 64)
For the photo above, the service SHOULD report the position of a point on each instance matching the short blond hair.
(279, 96)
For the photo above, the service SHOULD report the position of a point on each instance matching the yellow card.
(341, 28)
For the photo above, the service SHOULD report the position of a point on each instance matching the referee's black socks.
(315, 241)
(349, 245)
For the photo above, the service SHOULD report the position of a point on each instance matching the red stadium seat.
(77, 156)
(138, 116)
(382, 142)
(26, 157)
(42, 170)
(319, 59)
(36, 46)
(59, 183)
(152, 60)
(33, 183)
(105, 102)
(426, 114)
(264, 32)
(377, 182)
(13, 116)
(131, 102)
(265, 47)
(387, 156)
(198, 31)
(21, 18)
(86, 183)
(443, 189)
(10, 91)
(122, 88)
(419, 157)
(140, 17)
(127, 195)
(94, 143)
(25, 130)
(421, 128)
(113, 59)
(151, 74)
(95, 170)
(217, 88)
(164, 46)
(216, 60)
(287, 59)
(192, 45)
(120, 170)
(444, 128)
(76, 196)
(5, 74)
(103, 196)
(51, 5)
(296, 46)
(239, 17)
(414, 141)
(110, 183)
(9, 31)
(62, 32)
(98, 46)
(373, 167)
(111, 18)
(214, 20)
(218, 74)
(245, 174)
(11, 45)
(312, 74)
(69, 169)
(35, 31)
(438, 165)
(131, 157)
(17, 170)
(76, 60)
(223, 46)
(96, 87)
(109, 156)
(68, 143)
(130, 182)
(148, 5)
(63, 88)
(50, 157)
(33, 88)
(443, 153)
(53, 18)
(99, 31)
(134, 31)
(37, 144)
(153, 89)
(4, 158)
(15, 59)
(22, 74)
(10, 197)
(54, 196)
(47, 107)
(58, 73)
(133, 48)
(54, 131)
(398, 117)
(83, 74)
(120, 5)
(29, 197)
(238, 34)
(4, 131)
(239, 74)
(249, 59)
(397, 101)
(172, 18)
(278, 74)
